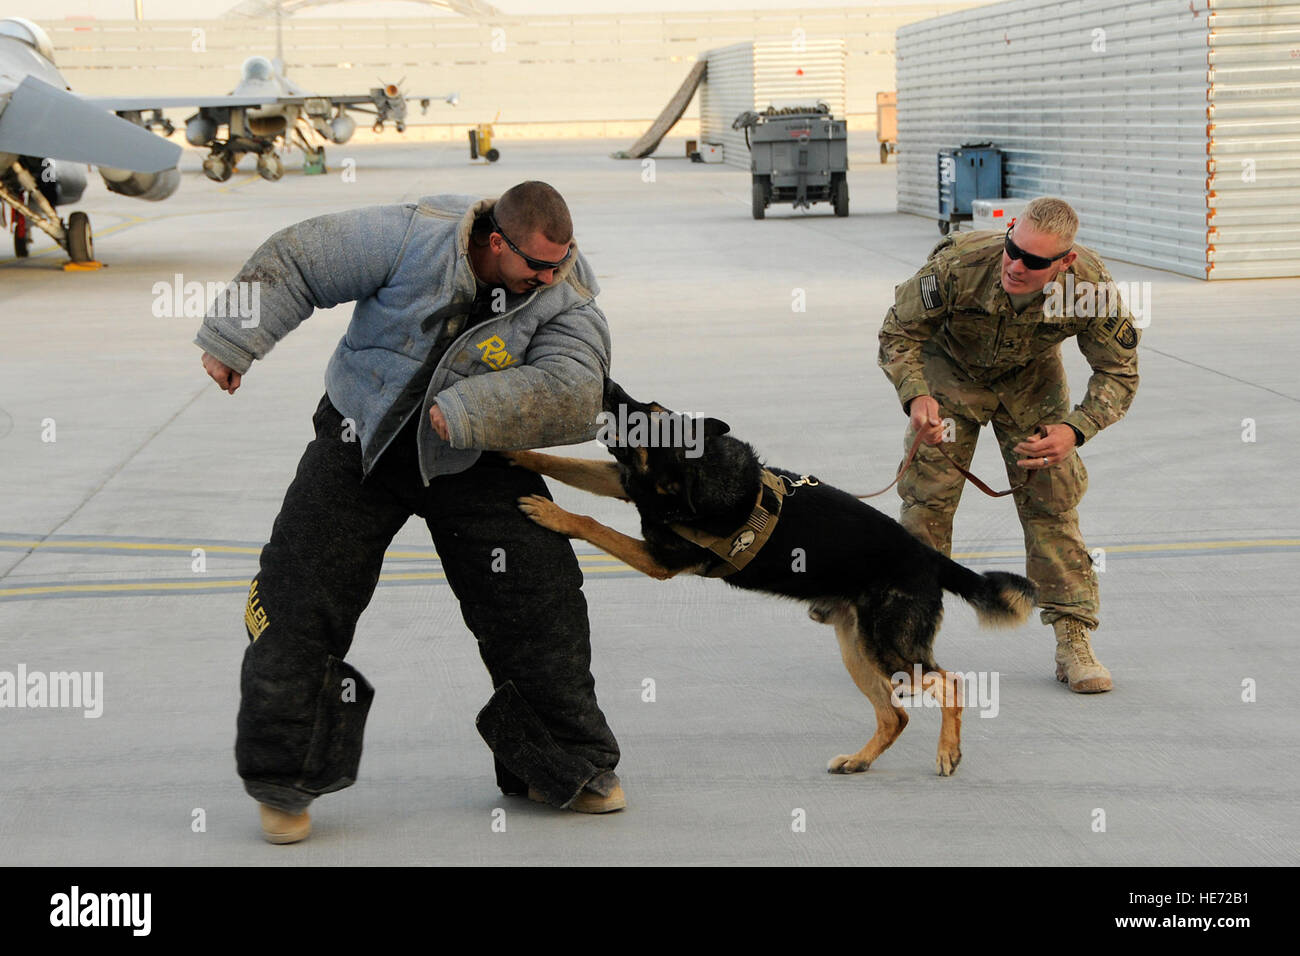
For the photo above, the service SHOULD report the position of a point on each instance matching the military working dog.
(713, 509)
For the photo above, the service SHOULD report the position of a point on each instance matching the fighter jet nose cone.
(257, 68)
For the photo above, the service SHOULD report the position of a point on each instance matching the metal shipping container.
(1172, 127)
(756, 74)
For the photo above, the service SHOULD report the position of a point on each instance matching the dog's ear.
(615, 396)
(713, 427)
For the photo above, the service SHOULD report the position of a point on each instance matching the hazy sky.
(203, 9)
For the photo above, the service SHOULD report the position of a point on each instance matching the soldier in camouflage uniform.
(975, 338)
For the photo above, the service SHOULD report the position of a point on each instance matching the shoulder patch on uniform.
(942, 244)
(930, 291)
(1126, 335)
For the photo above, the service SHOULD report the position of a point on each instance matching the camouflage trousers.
(1056, 559)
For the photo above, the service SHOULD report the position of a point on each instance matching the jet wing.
(41, 120)
(123, 104)
(354, 99)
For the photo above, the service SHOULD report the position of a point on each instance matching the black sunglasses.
(537, 265)
(1032, 262)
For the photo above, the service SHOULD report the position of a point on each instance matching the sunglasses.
(537, 265)
(1031, 261)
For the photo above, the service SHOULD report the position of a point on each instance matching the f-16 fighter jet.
(48, 134)
(265, 110)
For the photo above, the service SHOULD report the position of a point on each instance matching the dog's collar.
(741, 546)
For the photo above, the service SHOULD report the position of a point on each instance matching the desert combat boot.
(281, 827)
(1075, 662)
(590, 799)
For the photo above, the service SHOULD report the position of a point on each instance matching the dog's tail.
(1000, 599)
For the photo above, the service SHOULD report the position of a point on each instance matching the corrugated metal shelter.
(756, 74)
(1172, 126)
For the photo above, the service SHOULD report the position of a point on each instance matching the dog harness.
(741, 546)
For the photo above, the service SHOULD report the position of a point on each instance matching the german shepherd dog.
(858, 569)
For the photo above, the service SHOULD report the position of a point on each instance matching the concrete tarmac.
(119, 458)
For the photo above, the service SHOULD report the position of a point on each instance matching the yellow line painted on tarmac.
(128, 546)
(208, 585)
(131, 221)
(159, 586)
(1140, 548)
(240, 549)
(590, 563)
(96, 234)
(1208, 545)
(210, 549)
(242, 182)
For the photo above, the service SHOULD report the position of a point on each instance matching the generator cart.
(798, 155)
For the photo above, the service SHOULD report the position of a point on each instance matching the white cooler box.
(995, 213)
(711, 152)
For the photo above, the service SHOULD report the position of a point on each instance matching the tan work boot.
(281, 827)
(588, 801)
(1075, 662)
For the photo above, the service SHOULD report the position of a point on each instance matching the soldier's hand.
(1045, 450)
(925, 419)
(221, 373)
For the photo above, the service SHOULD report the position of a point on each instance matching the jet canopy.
(257, 68)
(20, 28)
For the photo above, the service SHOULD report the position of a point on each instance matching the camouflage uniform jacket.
(956, 305)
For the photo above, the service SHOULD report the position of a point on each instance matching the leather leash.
(911, 455)
(737, 549)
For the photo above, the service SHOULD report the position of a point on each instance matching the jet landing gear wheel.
(269, 167)
(218, 167)
(80, 245)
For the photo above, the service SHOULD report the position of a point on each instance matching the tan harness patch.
(741, 546)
